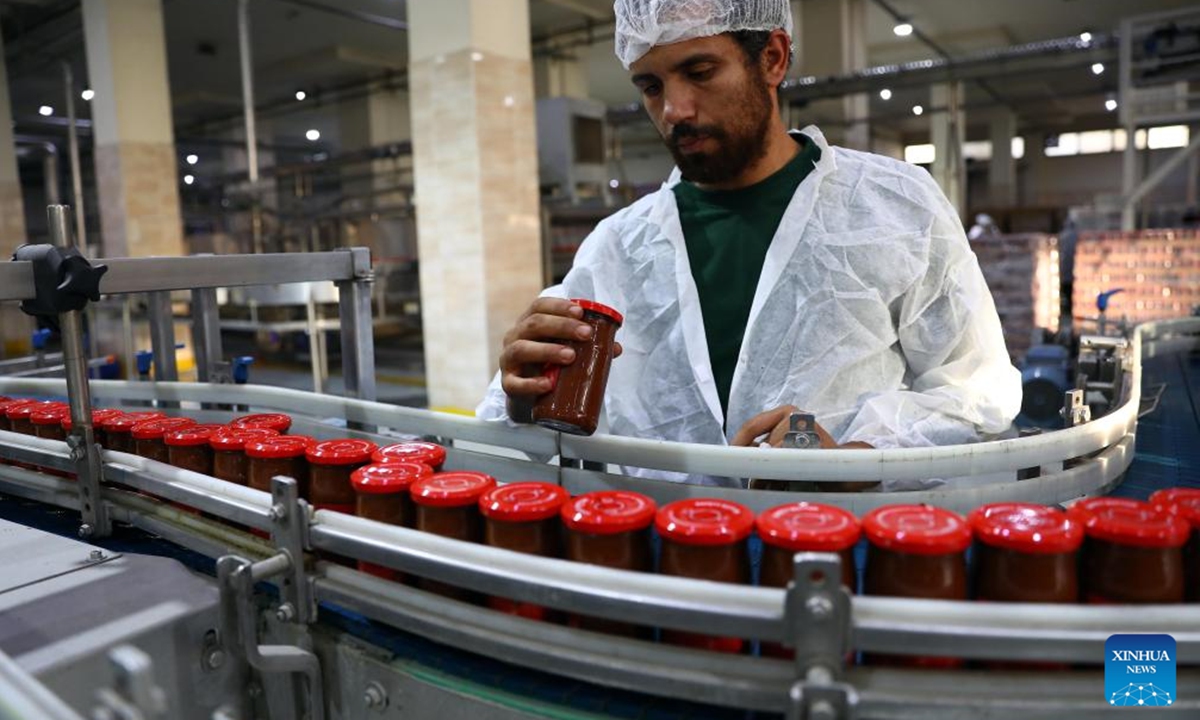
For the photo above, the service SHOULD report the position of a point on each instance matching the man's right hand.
(530, 345)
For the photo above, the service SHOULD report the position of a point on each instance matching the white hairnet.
(642, 24)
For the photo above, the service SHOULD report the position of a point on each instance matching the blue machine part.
(144, 359)
(241, 369)
(1044, 379)
(40, 337)
(1102, 298)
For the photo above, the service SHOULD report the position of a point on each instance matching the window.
(1104, 141)
(919, 154)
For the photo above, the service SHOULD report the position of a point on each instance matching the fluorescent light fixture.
(313, 135)
(88, 94)
(1097, 68)
(918, 110)
(45, 111)
(300, 94)
(903, 29)
(192, 159)
(188, 179)
(1110, 104)
(885, 94)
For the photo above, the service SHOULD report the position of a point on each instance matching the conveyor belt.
(1168, 440)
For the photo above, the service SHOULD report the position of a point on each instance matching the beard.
(740, 143)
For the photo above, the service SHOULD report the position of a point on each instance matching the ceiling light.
(45, 111)
(313, 135)
(903, 29)
(300, 94)
(614, 183)
(1097, 68)
(188, 179)
(192, 159)
(885, 94)
(88, 94)
(1110, 104)
(917, 110)
(1085, 37)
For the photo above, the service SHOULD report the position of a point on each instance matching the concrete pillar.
(136, 169)
(947, 123)
(833, 41)
(15, 326)
(1002, 170)
(559, 76)
(475, 155)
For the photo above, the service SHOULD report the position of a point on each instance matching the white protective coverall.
(871, 313)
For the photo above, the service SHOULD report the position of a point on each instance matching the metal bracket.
(817, 614)
(135, 695)
(89, 471)
(812, 701)
(802, 432)
(1075, 411)
(289, 533)
(1030, 472)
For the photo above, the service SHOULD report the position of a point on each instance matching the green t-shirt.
(727, 233)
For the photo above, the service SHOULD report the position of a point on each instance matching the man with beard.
(771, 271)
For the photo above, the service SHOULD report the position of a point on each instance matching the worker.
(771, 272)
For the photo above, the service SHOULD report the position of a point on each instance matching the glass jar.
(577, 390)
(430, 454)
(188, 448)
(148, 436)
(117, 430)
(47, 421)
(330, 465)
(281, 455)
(99, 417)
(1132, 552)
(916, 551)
(1185, 503)
(804, 527)
(383, 496)
(5, 406)
(610, 528)
(1025, 553)
(229, 452)
(447, 504)
(705, 538)
(278, 422)
(523, 517)
(18, 415)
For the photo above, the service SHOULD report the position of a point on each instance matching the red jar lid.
(98, 417)
(51, 414)
(126, 420)
(420, 451)
(388, 478)
(523, 502)
(5, 405)
(271, 421)
(451, 489)
(1182, 502)
(280, 446)
(604, 310)
(155, 429)
(808, 526)
(917, 529)
(704, 521)
(21, 410)
(233, 439)
(1125, 521)
(1026, 527)
(191, 436)
(341, 452)
(608, 512)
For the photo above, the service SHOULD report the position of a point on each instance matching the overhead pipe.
(73, 155)
(248, 109)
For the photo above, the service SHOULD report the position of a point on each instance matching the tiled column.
(136, 171)
(947, 128)
(475, 163)
(833, 41)
(15, 326)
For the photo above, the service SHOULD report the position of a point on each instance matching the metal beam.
(1155, 178)
(580, 7)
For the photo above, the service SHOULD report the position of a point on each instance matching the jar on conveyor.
(447, 504)
(1025, 553)
(229, 452)
(148, 436)
(99, 417)
(523, 517)
(281, 455)
(188, 448)
(117, 430)
(5, 405)
(383, 496)
(430, 454)
(278, 422)
(916, 551)
(610, 528)
(1185, 503)
(1132, 553)
(804, 527)
(330, 465)
(705, 538)
(47, 421)
(577, 392)
(18, 415)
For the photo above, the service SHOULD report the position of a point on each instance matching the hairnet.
(642, 24)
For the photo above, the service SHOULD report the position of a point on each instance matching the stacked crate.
(1158, 270)
(1022, 272)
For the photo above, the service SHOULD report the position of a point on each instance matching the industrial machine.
(186, 597)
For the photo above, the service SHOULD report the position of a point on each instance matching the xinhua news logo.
(1139, 670)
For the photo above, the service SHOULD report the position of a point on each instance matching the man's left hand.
(775, 424)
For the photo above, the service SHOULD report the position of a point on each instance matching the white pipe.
(248, 88)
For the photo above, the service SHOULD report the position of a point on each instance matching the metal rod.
(248, 88)
(162, 336)
(206, 334)
(82, 440)
(73, 155)
(358, 338)
(50, 170)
